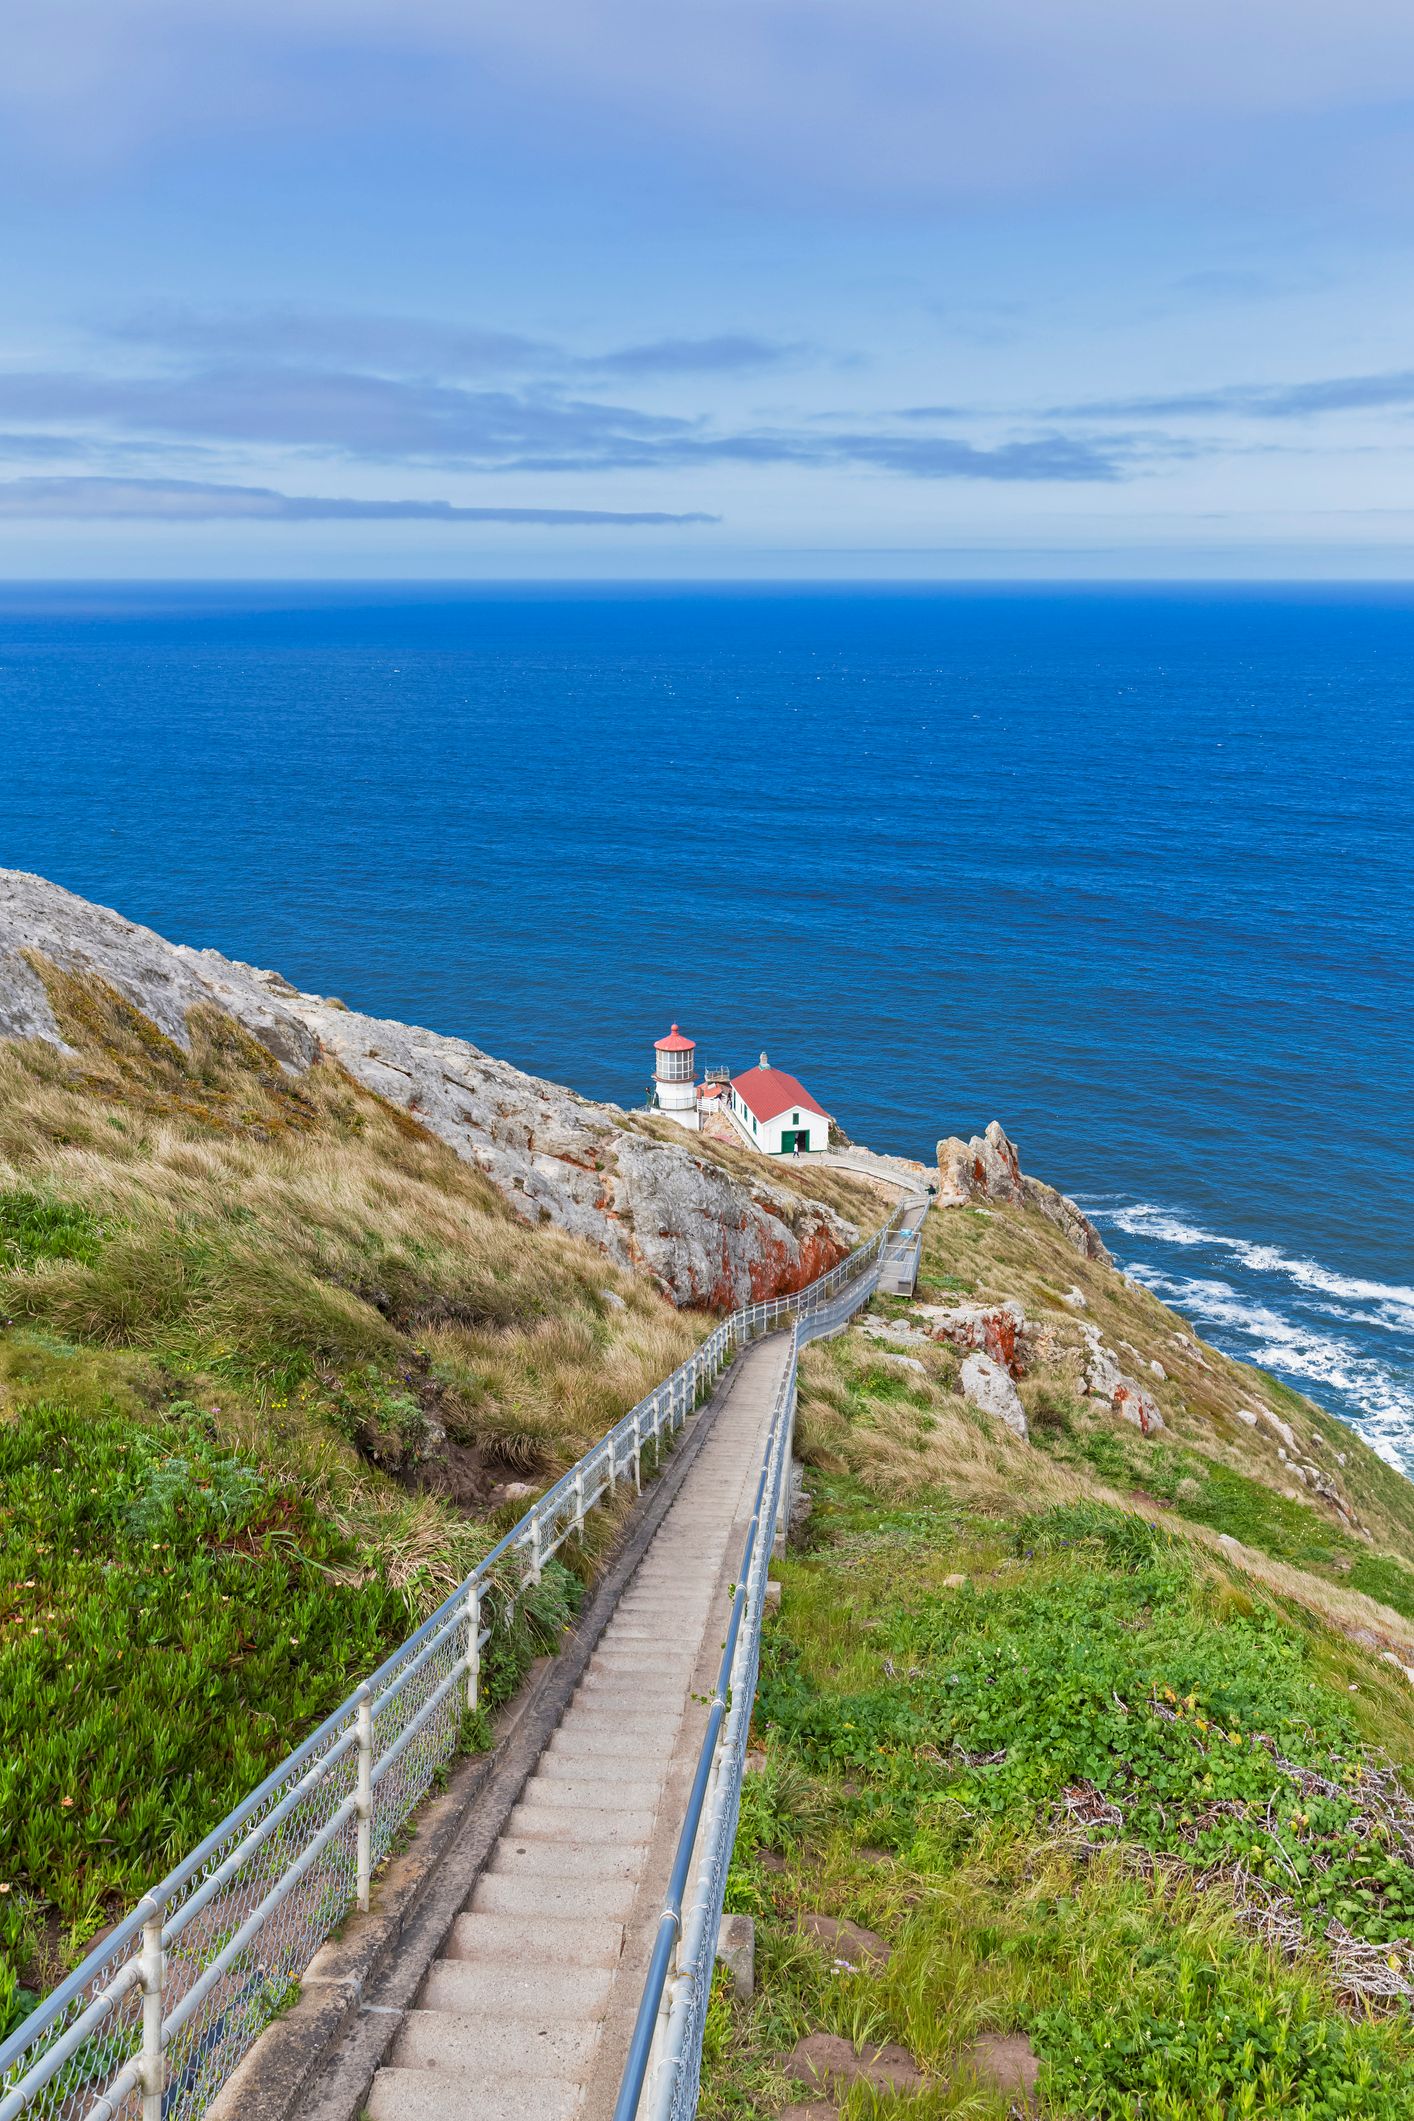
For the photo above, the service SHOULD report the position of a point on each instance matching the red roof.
(768, 1092)
(675, 1043)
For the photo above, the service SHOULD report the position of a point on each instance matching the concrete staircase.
(526, 2016)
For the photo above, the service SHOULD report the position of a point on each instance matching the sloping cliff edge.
(703, 1234)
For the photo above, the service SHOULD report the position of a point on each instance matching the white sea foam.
(1144, 1218)
(1347, 1339)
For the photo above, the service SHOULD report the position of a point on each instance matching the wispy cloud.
(371, 416)
(350, 339)
(428, 346)
(409, 420)
(727, 354)
(192, 501)
(1262, 401)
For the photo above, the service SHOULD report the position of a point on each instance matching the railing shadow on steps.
(156, 2018)
(662, 2076)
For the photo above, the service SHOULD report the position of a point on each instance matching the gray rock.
(1105, 1380)
(736, 1948)
(987, 1168)
(1072, 1222)
(1275, 1426)
(989, 1387)
(1076, 1298)
(1136, 1405)
(705, 1237)
(894, 1329)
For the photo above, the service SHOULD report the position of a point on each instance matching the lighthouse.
(675, 1066)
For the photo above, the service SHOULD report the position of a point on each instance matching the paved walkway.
(528, 2016)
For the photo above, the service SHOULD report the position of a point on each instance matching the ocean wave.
(1378, 1399)
(1148, 1219)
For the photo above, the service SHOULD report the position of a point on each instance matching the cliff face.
(705, 1235)
(987, 1168)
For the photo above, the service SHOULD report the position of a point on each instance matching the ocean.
(1128, 870)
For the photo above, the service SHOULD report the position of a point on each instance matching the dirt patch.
(849, 1943)
(828, 2062)
(1008, 2062)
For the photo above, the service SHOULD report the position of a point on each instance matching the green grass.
(920, 1740)
(1202, 1491)
(172, 1623)
(34, 1227)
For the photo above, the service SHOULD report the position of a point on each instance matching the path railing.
(155, 2019)
(662, 2076)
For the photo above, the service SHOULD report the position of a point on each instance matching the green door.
(789, 1140)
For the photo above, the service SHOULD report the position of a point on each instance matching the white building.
(674, 1091)
(775, 1113)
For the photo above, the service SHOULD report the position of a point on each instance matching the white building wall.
(767, 1134)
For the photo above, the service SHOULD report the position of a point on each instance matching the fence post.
(535, 1563)
(363, 1800)
(154, 1982)
(637, 1452)
(579, 1502)
(473, 1646)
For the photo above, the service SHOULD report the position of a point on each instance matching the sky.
(776, 289)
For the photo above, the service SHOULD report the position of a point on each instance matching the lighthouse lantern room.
(674, 1088)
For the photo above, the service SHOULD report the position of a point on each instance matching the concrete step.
(453, 2094)
(535, 1821)
(637, 1790)
(592, 1795)
(504, 1940)
(610, 1899)
(517, 1991)
(593, 1714)
(649, 1657)
(546, 1859)
(602, 1742)
(512, 2047)
(642, 1691)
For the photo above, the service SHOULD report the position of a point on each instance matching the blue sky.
(917, 288)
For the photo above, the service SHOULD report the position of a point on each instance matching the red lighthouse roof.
(674, 1043)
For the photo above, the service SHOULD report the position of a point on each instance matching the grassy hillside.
(271, 1357)
(1091, 1742)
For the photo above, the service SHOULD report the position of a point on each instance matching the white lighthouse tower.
(673, 1078)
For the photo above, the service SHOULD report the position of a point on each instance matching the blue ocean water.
(1128, 870)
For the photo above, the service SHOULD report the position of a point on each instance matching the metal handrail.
(665, 2050)
(165, 2007)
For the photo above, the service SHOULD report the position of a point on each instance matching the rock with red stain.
(988, 1168)
(993, 1329)
(1135, 1404)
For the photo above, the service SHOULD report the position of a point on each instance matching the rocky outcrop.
(989, 1387)
(705, 1236)
(1105, 1380)
(991, 1329)
(988, 1169)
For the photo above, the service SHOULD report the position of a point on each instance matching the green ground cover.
(1063, 1791)
(172, 1622)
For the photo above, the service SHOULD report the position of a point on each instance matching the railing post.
(363, 1801)
(535, 1562)
(473, 1647)
(637, 1452)
(579, 1501)
(154, 1982)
